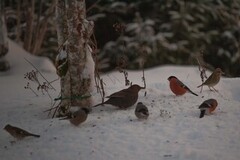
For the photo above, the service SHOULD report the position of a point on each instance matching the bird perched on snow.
(78, 117)
(141, 111)
(18, 133)
(207, 107)
(124, 98)
(213, 79)
(177, 87)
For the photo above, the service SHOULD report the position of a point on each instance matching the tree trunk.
(76, 81)
(61, 59)
(3, 36)
(4, 65)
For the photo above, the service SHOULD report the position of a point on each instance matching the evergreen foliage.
(175, 31)
(157, 32)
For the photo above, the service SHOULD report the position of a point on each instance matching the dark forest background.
(134, 31)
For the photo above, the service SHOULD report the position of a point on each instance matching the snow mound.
(16, 57)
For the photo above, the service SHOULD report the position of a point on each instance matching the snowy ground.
(172, 132)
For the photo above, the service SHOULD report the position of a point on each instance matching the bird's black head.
(169, 78)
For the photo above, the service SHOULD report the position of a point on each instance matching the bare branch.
(201, 66)
(40, 74)
(92, 6)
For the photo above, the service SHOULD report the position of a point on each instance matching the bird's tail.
(35, 135)
(97, 105)
(202, 113)
(193, 92)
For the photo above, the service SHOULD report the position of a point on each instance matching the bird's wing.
(209, 79)
(204, 105)
(143, 111)
(209, 102)
(121, 93)
(185, 87)
(18, 130)
(182, 85)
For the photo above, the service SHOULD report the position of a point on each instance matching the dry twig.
(201, 67)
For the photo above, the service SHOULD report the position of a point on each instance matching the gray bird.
(141, 111)
(78, 117)
(18, 133)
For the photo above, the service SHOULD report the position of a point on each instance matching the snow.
(88, 71)
(173, 130)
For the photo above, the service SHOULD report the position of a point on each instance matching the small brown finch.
(207, 107)
(18, 133)
(177, 87)
(213, 79)
(78, 117)
(141, 111)
(124, 98)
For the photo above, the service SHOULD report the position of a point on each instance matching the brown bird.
(207, 107)
(213, 79)
(124, 98)
(18, 133)
(78, 117)
(177, 87)
(141, 111)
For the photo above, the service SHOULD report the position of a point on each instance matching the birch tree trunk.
(4, 65)
(74, 64)
(61, 59)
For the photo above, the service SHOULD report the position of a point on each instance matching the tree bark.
(76, 82)
(3, 36)
(62, 35)
(4, 65)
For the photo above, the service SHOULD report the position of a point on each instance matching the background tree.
(74, 62)
(165, 32)
(30, 23)
(173, 32)
(4, 65)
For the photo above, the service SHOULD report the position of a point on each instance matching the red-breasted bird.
(124, 98)
(177, 87)
(207, 107)
(18, 133)
(78, 117)
(213, 79)
(141, 111)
